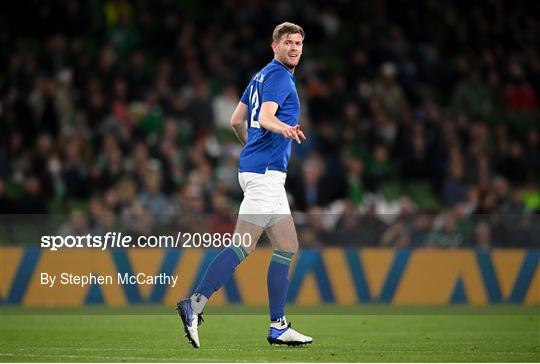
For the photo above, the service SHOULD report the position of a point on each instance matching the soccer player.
(265, 121)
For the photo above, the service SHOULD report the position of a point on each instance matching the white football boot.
(282, 334)
(191, 321)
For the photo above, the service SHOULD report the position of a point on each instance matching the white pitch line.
(134, 358)
(188, 348)
(269, 350)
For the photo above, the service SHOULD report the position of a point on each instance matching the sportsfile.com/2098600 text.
(121, 240)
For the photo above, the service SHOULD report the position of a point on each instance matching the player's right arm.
(239, 122)
(269, 121)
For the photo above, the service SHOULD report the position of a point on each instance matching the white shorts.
(265, 200)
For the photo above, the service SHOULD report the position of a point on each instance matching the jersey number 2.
(254, 99)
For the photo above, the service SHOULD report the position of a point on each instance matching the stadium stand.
(422, 118)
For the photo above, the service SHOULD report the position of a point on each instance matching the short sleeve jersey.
(266, 150)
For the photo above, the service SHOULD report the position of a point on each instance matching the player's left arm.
(239, 122)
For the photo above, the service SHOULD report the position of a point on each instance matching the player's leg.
(224, 264)
(219, 271)
(284, 240)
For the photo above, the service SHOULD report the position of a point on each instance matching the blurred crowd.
(422, 117)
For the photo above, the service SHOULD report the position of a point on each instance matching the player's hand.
(293, 132)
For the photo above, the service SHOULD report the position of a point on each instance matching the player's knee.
(293, 247)
(289, 246)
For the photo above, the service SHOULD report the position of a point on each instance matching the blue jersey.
(265, 150)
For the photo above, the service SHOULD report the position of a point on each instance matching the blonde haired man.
(265, 122)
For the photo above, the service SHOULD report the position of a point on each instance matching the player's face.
(288, 49)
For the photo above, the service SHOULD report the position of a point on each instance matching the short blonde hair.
(287, 28)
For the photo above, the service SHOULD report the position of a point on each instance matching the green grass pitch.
(358, 334)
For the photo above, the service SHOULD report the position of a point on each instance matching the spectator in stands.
(77, 225)
(32, 200)
(370, 226)
(445, 236)
(398, 234)
(153, 200)
(482, 235)
(312, 189)
(348, 230)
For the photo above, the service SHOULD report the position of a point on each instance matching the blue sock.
(220, 269)
(278, 283)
